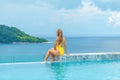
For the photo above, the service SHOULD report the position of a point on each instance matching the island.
(14, 35)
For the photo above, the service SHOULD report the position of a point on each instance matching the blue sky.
(75, 17)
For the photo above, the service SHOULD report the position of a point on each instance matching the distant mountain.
(14, 35)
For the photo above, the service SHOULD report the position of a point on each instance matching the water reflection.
(59, 70)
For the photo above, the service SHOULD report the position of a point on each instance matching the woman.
(59, 46)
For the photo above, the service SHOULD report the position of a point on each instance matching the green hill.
(12, 34)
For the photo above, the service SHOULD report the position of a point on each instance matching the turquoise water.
(102, 70)
(36, 52)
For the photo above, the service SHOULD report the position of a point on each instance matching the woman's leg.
(52, 52)
(52, 58)
(47, 55)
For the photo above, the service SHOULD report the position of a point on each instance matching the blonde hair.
(59, 39)
(59, 36)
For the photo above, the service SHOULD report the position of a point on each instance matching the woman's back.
(59, 45)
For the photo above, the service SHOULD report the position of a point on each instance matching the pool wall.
(91, 56)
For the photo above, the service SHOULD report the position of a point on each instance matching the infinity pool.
(80, 70)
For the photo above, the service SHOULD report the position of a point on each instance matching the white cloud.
(48, 12)
(114, 18)
(88, 9)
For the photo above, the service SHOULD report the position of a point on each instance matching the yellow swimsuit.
(60, 49)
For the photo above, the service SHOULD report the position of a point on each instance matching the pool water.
(80, 70)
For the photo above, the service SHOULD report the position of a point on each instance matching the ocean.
(35, 52)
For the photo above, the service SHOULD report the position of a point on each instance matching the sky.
(75, 17)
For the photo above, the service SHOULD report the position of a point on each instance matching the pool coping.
(70, 55)
(97, 53)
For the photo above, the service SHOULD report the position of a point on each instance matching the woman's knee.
(50, 51)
